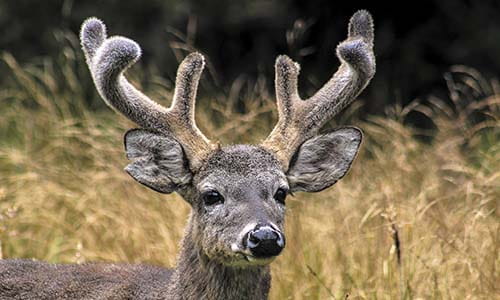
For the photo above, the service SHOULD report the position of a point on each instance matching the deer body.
(237, 193)
(196, 277)
(30, 280)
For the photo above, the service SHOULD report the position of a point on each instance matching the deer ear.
(158, 161)
(324, 159)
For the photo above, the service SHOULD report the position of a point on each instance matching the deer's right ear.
(158, 161)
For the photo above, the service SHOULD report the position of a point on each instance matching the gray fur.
(208, 267)
(158, 160)
(171, 154)
(30, 280)
(323, 160)
(199, 277)
(108, 59)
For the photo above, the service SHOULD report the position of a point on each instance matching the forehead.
(243, 161)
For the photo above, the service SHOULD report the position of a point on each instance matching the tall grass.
(416, 218)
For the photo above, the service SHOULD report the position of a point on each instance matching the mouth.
(246, 258)
(253, 260)
(259, 260)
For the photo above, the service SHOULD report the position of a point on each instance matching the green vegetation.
(416, 218)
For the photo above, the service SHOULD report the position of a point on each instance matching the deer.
(237, 193)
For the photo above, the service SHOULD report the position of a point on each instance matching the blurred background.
(416, 217)
(416, 43)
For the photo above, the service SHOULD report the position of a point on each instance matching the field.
(416, 218)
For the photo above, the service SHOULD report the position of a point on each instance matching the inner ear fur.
(324, 159)
(158, 161)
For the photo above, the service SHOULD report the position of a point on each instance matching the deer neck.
(198, 277)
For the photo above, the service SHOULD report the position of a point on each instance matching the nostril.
(253, 239)
(265, 242)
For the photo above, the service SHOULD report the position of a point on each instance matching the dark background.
(416, 41)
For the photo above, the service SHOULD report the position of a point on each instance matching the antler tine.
(109, 58)
(182, 109)
(356, 70)
(287, 95)
(300, 119)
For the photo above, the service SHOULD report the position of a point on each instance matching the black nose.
(264, 241)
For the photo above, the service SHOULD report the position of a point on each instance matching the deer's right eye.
(212, 198)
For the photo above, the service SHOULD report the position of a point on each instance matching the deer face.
(239, 206)
(238, 195)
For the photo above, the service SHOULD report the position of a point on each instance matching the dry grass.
(412, 220)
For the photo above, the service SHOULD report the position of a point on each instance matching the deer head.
(237, 193)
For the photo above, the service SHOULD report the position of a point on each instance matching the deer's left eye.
(212, 198)
(280, 195)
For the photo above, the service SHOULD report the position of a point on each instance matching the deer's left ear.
(324, 159)
(158, 161)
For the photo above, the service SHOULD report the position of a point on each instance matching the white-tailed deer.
(237, 193)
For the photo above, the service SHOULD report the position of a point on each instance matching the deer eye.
(212, 197)
(280, 195)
